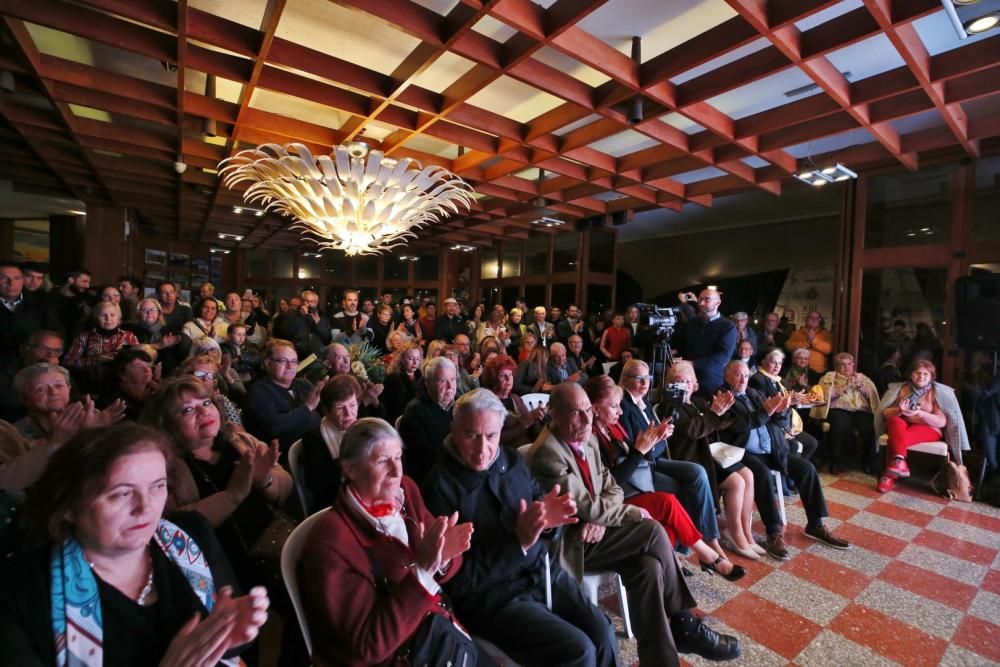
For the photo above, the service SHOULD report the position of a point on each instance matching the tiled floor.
(921, 585)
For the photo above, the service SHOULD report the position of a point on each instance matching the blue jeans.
(689, 482)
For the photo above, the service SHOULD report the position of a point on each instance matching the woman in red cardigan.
(615, 339)
(90, 357)
(375, 561)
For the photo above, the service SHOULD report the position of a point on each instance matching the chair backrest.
(298, 475)
(290, 555)
(399, 420)
(534, 400)
(607, 366)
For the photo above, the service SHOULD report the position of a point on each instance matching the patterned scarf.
(912, 401)
(77, 622)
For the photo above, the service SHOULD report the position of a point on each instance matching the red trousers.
(903, 435)
(669, 513)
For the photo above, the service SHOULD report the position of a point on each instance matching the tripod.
(662, 360)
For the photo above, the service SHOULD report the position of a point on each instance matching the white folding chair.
(298, 475)
(936, 447)
(591, 586)
(535, 400)
(779, 494)
(290, 555)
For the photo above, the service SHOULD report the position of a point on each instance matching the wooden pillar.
(66, 234)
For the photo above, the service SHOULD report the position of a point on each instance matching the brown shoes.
(776, 546)
(823, 534)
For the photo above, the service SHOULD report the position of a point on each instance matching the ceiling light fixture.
(234, 237)
(259, 212)
(219, 251)
(462, 247)
(359, 204)
(821, 176)
(982, 24)
(409, 258)
(548, 222)
(312, 254)
(635, 111)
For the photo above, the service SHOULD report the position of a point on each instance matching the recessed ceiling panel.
(245, 12)
(586, 120)
(445, 71)
(682, 123)
(918, 122)
(350, 35)
(763, 94)
(432, 146)
(564, 63)
(662, 24)
(724, 59)
(828, 14)
(698, 175)
(755, 162)
(377, 130)
(867, 58)
(494, 29)
(515, 100)
(623, 143)
(297, 108)
(442, 7)
(843, 141)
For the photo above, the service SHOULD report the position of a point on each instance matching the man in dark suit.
(20, 316)
(751, 425)
(449, 325)
(707, 339)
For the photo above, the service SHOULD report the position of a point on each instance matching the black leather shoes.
(709, 644)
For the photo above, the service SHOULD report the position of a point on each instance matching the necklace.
(146, 591)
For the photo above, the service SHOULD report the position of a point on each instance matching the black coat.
(495, 570)
(270, 412)
(398, 390)
(634, 424)
(423, 428)
(320, 472)
(768, 388)
(15, 328)
(446, 328)
(709, 347)
(741, 420)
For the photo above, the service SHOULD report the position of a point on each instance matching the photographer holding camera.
(707, 339)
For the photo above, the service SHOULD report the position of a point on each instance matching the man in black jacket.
(751, 426)
(426, 420)
(19, 316)
(500, 591)
(307, 329)
(449, 325)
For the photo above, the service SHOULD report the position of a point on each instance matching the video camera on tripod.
(659, 321)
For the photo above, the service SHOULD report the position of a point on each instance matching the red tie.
(581, 461)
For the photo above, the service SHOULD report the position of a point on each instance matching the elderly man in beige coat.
(614, 536)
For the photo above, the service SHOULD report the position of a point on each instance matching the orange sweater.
(819, 348)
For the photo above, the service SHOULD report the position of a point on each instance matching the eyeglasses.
(279, 361)
(204, 375)
(53, 351)
(149, 310)
(641, 378)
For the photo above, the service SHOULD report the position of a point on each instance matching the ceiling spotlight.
(312, 254)
(408, 258)
(237, 210)
(548, 222)
(234, 237)
(219, 251)
(357, 149)
(259, 214)
(463, 248)
(982, 24)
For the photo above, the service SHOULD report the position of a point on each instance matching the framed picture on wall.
(153, 277)
(156, 257)
(179, 261)
(199, 266)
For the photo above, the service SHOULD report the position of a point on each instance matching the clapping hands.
(551, 511)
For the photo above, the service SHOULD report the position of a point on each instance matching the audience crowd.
(473, 465)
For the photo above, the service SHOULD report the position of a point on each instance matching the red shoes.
(885, 484)
(898, 468)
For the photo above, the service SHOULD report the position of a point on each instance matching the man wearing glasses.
(707, 339)
(281, 405)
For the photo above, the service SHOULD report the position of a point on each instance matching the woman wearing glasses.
(375, 562)
(206, 370)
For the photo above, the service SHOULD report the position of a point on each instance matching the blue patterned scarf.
(77, 623)
(912, 401)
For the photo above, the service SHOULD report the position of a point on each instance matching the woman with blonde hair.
(531, 373)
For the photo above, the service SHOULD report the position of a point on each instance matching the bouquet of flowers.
(366, 362)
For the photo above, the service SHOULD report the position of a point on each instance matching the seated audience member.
(130, 288)
(532, 373)
(206, 322)
(305, 326)
(373, 565)
(149, 328)
(521, 424)
(206, 370)
(799, 376)
(116, 583)
(584, 360)
(70, 302)
(494, 326)
(279, 405)
(21, 314)
(615, 372)
(133, 378)
(465, 381)
(744, 332)
(245, 356)
(90, 357)
(615, 338)
(337, 361)
(427, 322)
(427, 418)
(633, 471)
(920, 410)
(35, 284)
(813, 337)
(434, 348)
(41, 346)
(515, 330)
(175, 314)
(571, 325)
(528, 343)
(561, 369)
(409, 324)
(706, 339)
(338, 403)
(851, 402)
(745, 353)
(254, 314)
(767, 381)
(476, 321)
(611, 535)
(750, 426)
(499, 593)
(696, 422)
(684, 479)
(401, 381)
(381, 326)
(771, 335)
(394, 341)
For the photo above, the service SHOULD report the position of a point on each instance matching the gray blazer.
(954, 431)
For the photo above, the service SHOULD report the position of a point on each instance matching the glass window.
(564, 252)
(395, 268)
(563, 295)
(337, 266)
(904, 310)
(282, 263)
(426, 268)
(491, 267)
(310, 266)
(534, 295)
(491, 296)
(909, 208)
(598, 299)
(511, 259)
(986, 203)
(602, 251)
(536, 255)
(257, 264)
(366, 267)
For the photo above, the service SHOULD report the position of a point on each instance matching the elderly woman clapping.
(93, 351)
(117, 584)
(375, 561)
(851, 400)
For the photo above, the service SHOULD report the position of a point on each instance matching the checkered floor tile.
(921, 585)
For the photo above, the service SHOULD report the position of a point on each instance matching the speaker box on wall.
(977, 311)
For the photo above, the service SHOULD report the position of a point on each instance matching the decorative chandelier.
(354, 200)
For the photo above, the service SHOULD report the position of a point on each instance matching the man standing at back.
(707, 339)
(451, 323)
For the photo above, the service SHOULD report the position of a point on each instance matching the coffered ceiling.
(527, 100)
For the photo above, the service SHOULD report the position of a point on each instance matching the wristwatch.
(268, 483)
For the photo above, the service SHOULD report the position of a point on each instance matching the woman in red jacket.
(375, 562)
